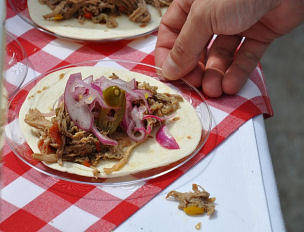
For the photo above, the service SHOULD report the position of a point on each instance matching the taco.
(105, 122)
(97, 19)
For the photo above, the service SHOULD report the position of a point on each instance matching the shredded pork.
(102, 11)
(161, 104)
(61, 140)
(35, 119)
(123, 161)
(198, 198)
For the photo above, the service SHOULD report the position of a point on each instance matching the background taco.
(125, 25)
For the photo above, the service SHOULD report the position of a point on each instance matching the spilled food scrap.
(194, 203)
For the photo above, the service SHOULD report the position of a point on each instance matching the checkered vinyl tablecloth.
(32, 201)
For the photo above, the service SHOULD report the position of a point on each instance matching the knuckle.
(200, 14)
(243, 67)
(185, 5)
(196, 14)
(214, 22)
(224, 52)
(178, 50)
(219, 19)
(251, 57)
(182, 54)
(274, 3)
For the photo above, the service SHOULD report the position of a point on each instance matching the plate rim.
(203, 140)
(36, 26)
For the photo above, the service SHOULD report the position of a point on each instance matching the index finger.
(170, 26)
(191, 42)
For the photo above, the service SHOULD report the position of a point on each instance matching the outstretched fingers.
(220, 57)
(245, 61)
(170, 26)
(188, 40)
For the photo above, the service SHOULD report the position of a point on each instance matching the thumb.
(204, 19)
(190, 44)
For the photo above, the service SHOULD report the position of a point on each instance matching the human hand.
(188, 26)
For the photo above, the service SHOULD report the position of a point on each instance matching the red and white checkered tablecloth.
(32, 201)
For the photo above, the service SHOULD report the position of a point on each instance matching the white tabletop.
(239, 174)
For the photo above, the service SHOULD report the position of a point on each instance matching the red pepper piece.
(55, 134)
(87, 15)
(86, 163)
(98, 147)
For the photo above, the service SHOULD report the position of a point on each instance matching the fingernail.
(170, 70)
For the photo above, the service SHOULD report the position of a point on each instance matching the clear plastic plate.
(15, 65)
(18, 145)
(21, 9)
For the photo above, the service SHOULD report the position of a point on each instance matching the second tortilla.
(71, 28)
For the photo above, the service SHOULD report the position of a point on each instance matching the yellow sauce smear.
(198, 226)
(194, 210)
(176, 119)
(61, 76)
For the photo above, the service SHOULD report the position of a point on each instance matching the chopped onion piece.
(81, 97)
(153, 116)
(164, 138)
(102, 138)
(137, 115)
(126, 119)
(148, 130)
(89, 94)
(89, 79)
(161, 119)
(104, 83)
(80, 112)
(131, 131)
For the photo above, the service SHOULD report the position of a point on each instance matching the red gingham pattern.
(32, 201)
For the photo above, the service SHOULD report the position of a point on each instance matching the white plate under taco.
(71, 28)
(187, 130)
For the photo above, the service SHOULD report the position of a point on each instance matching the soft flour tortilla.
(71, 28)
(147, 155)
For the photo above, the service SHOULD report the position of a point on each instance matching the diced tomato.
(55, 134)
(98, 148)
(121, 8)
(87, 15)
(41, 148)
(86, 163)
(40, 144)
